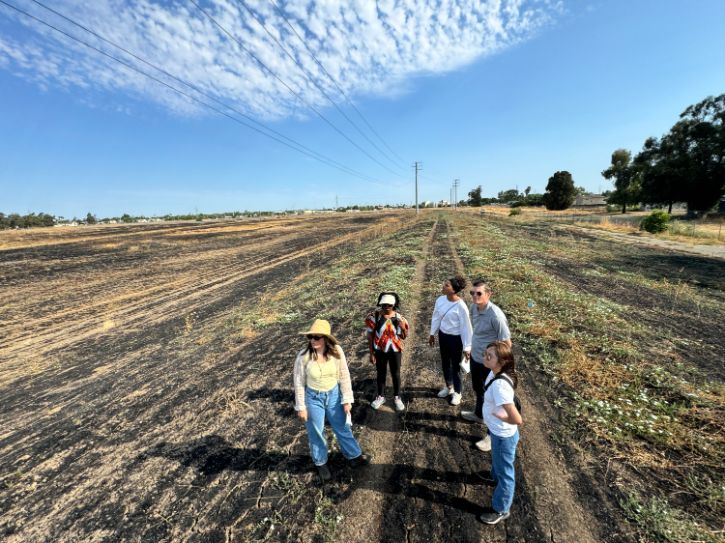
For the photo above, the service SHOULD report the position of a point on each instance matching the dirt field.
(145, 382)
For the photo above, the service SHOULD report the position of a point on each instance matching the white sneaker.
(445, 392)
(399, 405)
(455, 398)
(485, 444)
(470, 416)
(377, 402)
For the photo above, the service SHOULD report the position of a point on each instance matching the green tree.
(688, 163)
(474, 197)
(626, 181)
(510, 195)
(560, 191)
(126, 218)
(91, 218)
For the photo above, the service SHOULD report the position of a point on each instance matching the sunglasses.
(476, 293)
(315, 338)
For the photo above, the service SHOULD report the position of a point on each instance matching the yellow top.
(321, 376)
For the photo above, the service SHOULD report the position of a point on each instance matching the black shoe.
(324, 472)
(362, 460)
(492, 517)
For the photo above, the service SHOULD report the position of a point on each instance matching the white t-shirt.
(499, 393)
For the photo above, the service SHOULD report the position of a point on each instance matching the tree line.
(685, 165)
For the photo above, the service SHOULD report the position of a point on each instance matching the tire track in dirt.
(381, 426)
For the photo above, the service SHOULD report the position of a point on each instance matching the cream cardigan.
(299, 378)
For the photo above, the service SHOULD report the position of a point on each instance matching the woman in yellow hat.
(323, 391)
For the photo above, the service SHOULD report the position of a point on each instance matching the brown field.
(145, 383)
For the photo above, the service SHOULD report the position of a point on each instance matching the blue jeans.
(327, 404)
(503, 454)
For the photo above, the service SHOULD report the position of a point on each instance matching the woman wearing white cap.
(386, 331)
(323, 391)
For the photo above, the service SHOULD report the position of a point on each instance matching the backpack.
(517, 402)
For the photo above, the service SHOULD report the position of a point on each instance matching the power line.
(339, 88)
(279, 137)
(290, 89)
(313, 80)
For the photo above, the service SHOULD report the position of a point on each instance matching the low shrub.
(515, 211)
(655, 222)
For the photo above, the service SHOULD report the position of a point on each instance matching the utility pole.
(455, 192)
(418, 166)
(337, 206)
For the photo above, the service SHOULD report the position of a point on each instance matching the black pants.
(382, 360)
(451, 352)
(479, 372)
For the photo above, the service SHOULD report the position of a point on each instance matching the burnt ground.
(675, 315)
(133, 409)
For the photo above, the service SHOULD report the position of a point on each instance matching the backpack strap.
(500, 376)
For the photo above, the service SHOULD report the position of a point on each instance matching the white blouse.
(452, 318)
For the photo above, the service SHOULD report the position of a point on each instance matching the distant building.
(590, 200)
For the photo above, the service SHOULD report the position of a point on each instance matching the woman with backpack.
(452, 322)
(503, 420)
(323, 390)
(386, 329)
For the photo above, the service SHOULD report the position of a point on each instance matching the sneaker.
(485, 444)
(455, 398)
(399, 405)
(445, 392)
(362, 460)
(493, 517)
(324, 472)
(377, 402)
(470, 416)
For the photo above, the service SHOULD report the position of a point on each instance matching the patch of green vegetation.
(658, 522)
(619, 387)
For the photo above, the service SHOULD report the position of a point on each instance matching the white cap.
(387, 299)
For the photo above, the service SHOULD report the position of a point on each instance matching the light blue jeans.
(503, 455)
(327, 404)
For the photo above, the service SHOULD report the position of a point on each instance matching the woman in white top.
(452, 323)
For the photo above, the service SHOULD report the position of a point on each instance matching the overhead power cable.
(334, 82)
(290, 89)
(314, 81)
(264, 130)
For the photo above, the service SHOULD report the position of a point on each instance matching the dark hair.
(505, 356)
(394, 295)
(331, 349)
(483, 283)
(458, 283)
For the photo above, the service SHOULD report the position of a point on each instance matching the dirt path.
(713, 251)
(423, 486)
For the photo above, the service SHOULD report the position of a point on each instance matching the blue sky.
(500, 94)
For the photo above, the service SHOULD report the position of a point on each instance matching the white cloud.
(369, 48)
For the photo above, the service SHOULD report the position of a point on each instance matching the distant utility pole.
(336, 204)
(455, 192)
(418, 166)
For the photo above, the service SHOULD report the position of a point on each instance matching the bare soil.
(133, 409)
